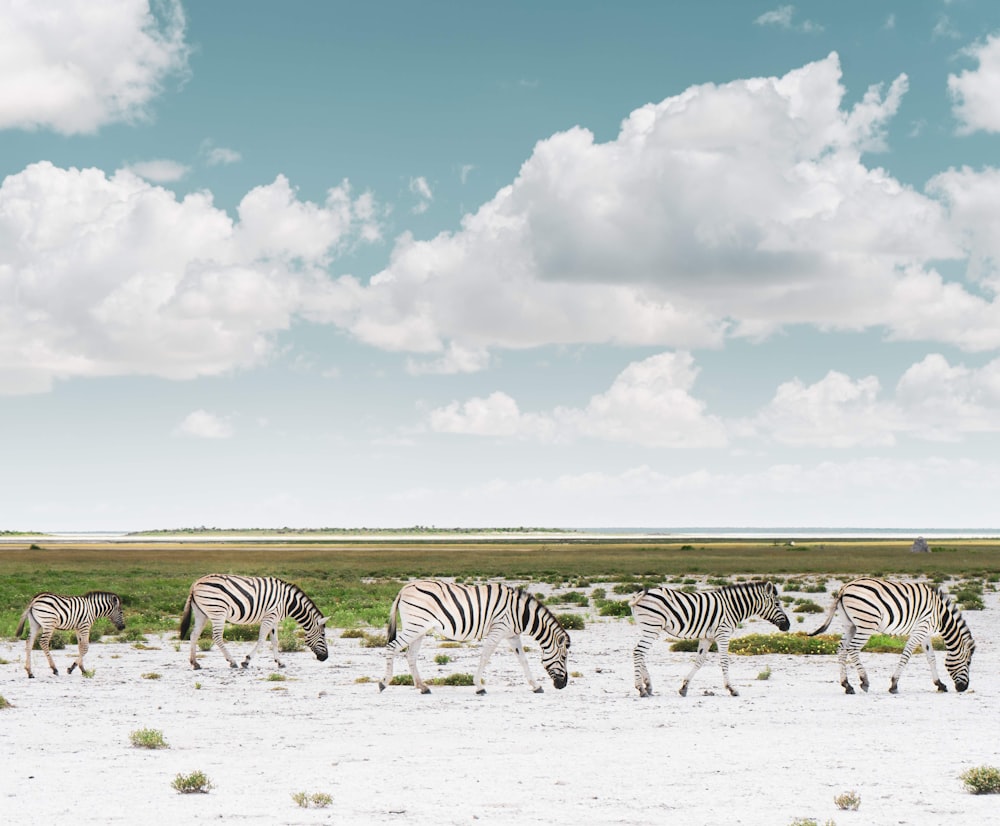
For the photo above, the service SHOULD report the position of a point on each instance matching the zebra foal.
(247, 600)
(870, 606)
(707, 615)
(492, 613)
(47, 613)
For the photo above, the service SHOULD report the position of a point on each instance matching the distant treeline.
(286, 531)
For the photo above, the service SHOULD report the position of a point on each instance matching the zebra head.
(770, 606)
(109, 605)
(315, 631)
(959, 658)
(555, 653)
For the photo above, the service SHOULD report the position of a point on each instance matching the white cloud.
(456, 359)
(727, 210)
(649, 403)
(159, 171)
(975, 102)
(220, 155)
(204, 425)
(944, 28)
(112, 275)
(87, 64)
(782, 18)
(464, 171)
(422, 189)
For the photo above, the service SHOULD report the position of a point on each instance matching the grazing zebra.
(49, 612)
(704, 615)
(247, 600)
(491, 613)
(870, 606)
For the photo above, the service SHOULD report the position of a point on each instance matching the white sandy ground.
(592, 753)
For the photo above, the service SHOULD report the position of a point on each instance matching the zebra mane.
(102, 594)
(306, 599)
(542, 608)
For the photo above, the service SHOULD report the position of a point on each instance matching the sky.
(562, 264)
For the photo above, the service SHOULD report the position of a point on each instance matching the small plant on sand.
(810, 821)
(571, 622)
(765, 674)
(5, 703)
(373, 641)
(318, 800)
(148, 738)
(849, 801)
(276, 678)
(195, 783)
(442, 659)
(364, 679)
(88, 672)
(982, 780)
(151, 675)
(351, 634)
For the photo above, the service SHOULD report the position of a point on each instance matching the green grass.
(195, 783)
(355, 582)
(982, 780)
(800, 643)
(148, 738)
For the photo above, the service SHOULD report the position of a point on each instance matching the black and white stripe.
(869, 606)
(709, 615)
(248, 600)
(492, 613)
(48, 612)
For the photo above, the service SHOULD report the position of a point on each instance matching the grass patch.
(318, 800)
(276, 678)
(571, 622)
(442, 659)
(148, 738)
(982, 780)
(195, 783)
(848, 801)
(5, 703)
(151, 675)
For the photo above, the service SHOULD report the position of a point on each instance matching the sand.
(594, 752)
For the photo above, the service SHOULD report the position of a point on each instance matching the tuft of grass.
(195, 783)
(151, 675)
(982, 780)
(88, 672)
(765, 674)
(365, 679)
(5, 703)
(319, 800)
(613, 608)
(452, 679)
(373, 641)
(442, 659)
(402, 679)
(148, 738)
(349, 634)
(571, 622)
(204, 644)
(197, 686)
(848, 801)
(276, 678)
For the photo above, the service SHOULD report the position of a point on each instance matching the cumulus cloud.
(220, 155)
(727, 210)
(649, 403)
(204, 425)
(112, 275)
(973, 92)
(422, 189)
(87, 65)
(161, 171)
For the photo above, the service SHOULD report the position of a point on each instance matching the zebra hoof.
(281, 665)
(941, 686)
(733, 692)
(893, 689)
(381, 687)
(480, 691)
(70, 671)
(196, 666)
(425, 690)
(864, 687)
(538, 690)
(233, 665)
(31, 676)
(848, 688)
(243, 664)
(683, 690)
(55, 670)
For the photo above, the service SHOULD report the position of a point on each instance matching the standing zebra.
(48, 612)
(870, 606)
(246, 600)
(491, 613)
(707, 615)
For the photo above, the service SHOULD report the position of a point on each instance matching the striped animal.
(870, 606)
(707, 615)
(49, 612)
(492, 613)
(247, 600)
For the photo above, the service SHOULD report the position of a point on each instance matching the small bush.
(151, 675)
(351, 634)
(765, 674)
(319, 800)
(195, 783)
(148, 738)
(571, 622)
(204, 644)
(276, 678)
(452, 679)
(365, 679)
(968, 599)
(402, 679)
(442, 659)
(614, 608)
(807, 606)
(57, 643)
(982, 780)
(5, 703)
(373, 640)
(627, 588)
(692, 645)
(574, 597)
(289, 641)
(849, 801)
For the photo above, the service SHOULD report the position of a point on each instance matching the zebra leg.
(274, 646)
(82, 644)
(931, 660)
(217, 629)
(200, 618)
(703, 645)
(848, 651)
(490, 643)
(723, 642)
(44, 643)
(411, 658)
(267, 629)
(33, 629)
(916, 638)
(515, 643)
(642, 682)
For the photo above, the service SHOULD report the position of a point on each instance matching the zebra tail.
(633, 601)
(829, 615)
(186, 617)
(390, 631)
(20, 625)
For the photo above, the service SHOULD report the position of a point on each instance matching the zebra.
(246, 600)
(707, 615)
(48, 612)
(492, 612)
(917, 609)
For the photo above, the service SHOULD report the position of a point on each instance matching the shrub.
(195, 783)
(765, 674)
(807, 606)
(598, 594)
(982, 780)
(352, 634)
(614, 608)
(151, 675)
(276, 678)
(627, 588)
(692, 645)
(57, 643)
(968, 599)
(575, 597)
(452, 679)
(402, 679)
(5, 703)
(131, 635)
(148, 738)
(571, 622)
(319, 800)
(442, 659)
(848, 801)
(373, 640)
(204, 644)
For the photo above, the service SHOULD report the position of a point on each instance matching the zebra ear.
(324, 620)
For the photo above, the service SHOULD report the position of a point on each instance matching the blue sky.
(550, 264)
